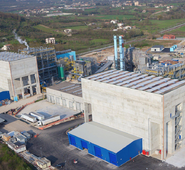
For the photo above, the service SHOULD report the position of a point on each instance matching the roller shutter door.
(78, 106)
(70, 105)
(97, 152)
(64, 102)
(57, 100)
(113, 158)
(84, 144)
(73, 142)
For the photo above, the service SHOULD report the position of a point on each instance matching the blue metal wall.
(117, 159)
(4, 95)
(130, 151)
(72, 53)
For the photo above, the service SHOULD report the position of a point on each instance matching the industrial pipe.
(121, 49)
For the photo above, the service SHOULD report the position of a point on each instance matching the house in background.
(50, 40)
(6, 47)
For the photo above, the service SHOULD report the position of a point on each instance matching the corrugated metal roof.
(10, 56)
(103, 136)
(143, 82)
(70, 88)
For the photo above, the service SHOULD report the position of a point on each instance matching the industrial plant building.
(146, 107)
(157, 48)
(19, 75)
(66, 53)
(167, 68)
(46, 59)
(67, 95)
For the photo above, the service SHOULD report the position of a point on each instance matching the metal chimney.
(121, 49)
(115, 52)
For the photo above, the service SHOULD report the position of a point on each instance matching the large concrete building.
(46, 61)
(19, 74)
(67, 95)
(148, 107)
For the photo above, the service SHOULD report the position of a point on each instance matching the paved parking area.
(53, 144)
(178, 159)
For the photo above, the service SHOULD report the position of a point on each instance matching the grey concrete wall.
(124, 109)
(55, 96)
(155, 137)
(171, 100)
(23, 71)
(23, 67)
(137, 112)
(4, 74)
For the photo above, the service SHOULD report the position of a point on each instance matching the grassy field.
(81, 27)
(46, 29)
(11, 161)
(119, 17)
(167, 23)
(182, 29)
(157, 25)
(179, 32)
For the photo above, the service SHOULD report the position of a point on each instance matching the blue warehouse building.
(109, 144)
(4, 94)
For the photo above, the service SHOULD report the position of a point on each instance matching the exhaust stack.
(115, 52)
(121, 49)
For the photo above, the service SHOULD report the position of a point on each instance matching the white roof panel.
(137, 81)
(103, 136)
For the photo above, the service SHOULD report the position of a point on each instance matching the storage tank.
(38, 116)
(49, 120)
(29, 118)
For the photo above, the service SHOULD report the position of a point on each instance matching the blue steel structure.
(68, 54)
(119, 158)
(173, 48)
(4, 95)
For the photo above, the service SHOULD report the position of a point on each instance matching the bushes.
(11, 161)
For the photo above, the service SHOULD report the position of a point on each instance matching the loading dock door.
(84, 144)
(113, 158)
(73, 142)
(97, 152)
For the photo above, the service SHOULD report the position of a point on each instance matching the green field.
(109, 17)
(157, 25)
(99, 41)
(43, 28)
(182, 29)
(167, 23)
(9, 160)
(81, 27)
(46, 29)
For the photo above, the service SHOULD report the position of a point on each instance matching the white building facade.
(148, 107)
(19, 74)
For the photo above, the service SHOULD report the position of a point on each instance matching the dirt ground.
(101, 55)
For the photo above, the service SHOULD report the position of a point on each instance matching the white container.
(37, 115)
(29, 118)
(49, 120)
